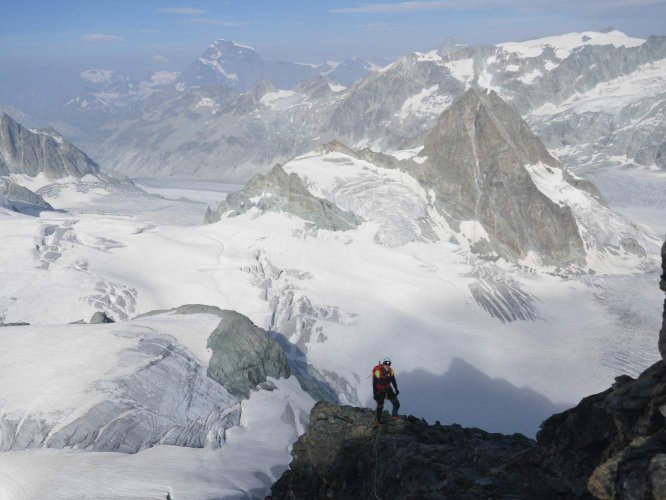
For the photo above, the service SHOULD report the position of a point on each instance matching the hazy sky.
(140, 36)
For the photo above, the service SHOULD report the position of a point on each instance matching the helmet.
(386, 360)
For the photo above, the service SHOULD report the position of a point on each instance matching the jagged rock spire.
(477, 154)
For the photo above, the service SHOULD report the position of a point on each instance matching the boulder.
(243, 355)
(100, 317)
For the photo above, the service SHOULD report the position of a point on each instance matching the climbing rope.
(374, 481)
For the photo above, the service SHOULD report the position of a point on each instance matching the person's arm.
(395, 384)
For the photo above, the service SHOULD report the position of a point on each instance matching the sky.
(61, 38)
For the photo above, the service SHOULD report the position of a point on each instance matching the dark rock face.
(342, 457)
(280, 191)
(25, 151)
(477, 155)
(607, 443)
(662, 285)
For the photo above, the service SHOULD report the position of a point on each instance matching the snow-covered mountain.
(239, 133)
(482, 170)
(231, 64)
(395, 107)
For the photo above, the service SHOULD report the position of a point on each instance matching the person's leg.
(380, 406)
(394, 402)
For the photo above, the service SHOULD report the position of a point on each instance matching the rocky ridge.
(341, 456)
(280, 191)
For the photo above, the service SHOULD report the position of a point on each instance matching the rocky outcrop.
(31, 152)
(20, 199)
(280, 191)
(100, 317)
(662, 286)
(243, 355)
(477, 156)
(611, 444)
(341, 456)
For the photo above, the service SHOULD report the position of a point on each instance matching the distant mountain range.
(240, 131)
(106, 95)
(596, 99)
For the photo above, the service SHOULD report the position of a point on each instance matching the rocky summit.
(612, 445)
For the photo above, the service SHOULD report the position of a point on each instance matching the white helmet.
(386, 360)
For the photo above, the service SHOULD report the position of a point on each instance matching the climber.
(382, 379)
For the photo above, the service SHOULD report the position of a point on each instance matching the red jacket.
(382, 378)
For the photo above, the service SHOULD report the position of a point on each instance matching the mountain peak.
(449, 45)
(5, 118)
(478, 154)
(223, 42)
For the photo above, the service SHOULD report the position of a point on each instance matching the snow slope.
(254, 455)
(403, 282)
(565, 44)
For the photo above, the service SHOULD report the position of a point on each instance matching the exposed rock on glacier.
(278, 190)
(100, 317)
(24, 151)
(477, 155)
(20, 199)
(243, 355)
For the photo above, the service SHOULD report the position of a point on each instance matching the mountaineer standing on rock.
(382, 379)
